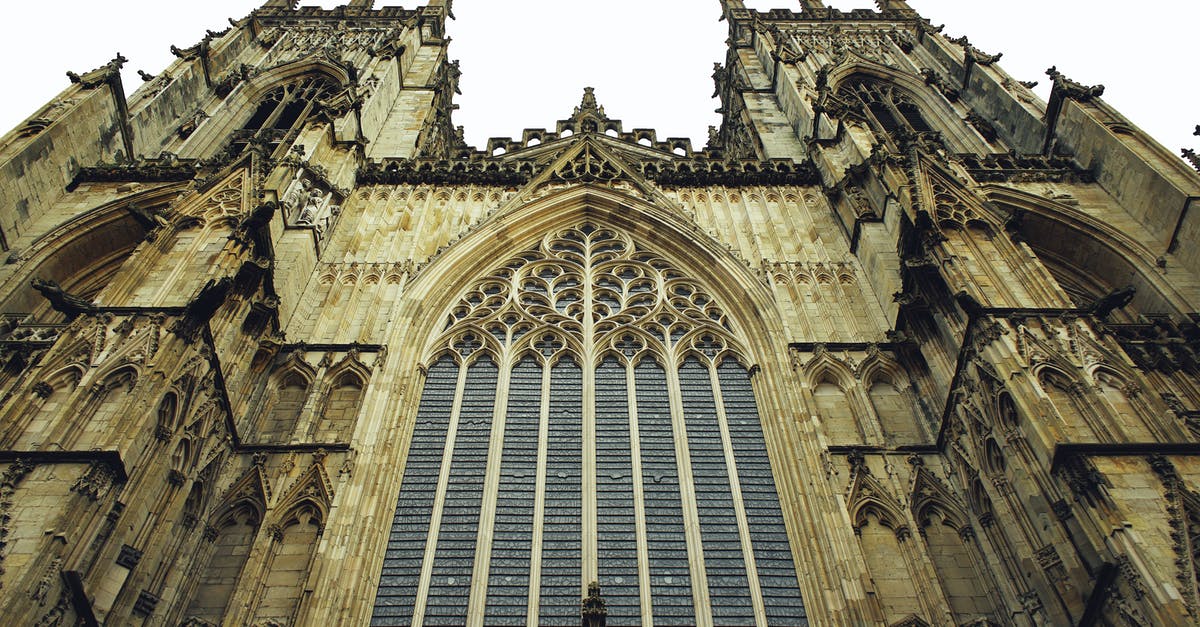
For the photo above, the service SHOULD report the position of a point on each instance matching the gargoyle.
(201, 308)
(1112, 301)
(62, 301)
(149, 219)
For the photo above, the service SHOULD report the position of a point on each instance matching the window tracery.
(281, 112)
(887, 108)
(598, 396)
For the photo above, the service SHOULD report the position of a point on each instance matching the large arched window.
(282, 111)
(599, 424)
(886, 107)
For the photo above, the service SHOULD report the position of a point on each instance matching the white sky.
(525, 62)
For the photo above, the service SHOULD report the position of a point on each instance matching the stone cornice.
(1011, 168)
(667, 173)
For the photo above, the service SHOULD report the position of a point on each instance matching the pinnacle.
(588, 106)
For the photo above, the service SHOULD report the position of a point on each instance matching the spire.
(884, 5)
(813, 5)
(280, 4)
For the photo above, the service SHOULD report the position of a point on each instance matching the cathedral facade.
(903, 344)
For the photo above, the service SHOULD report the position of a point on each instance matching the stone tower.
(901, 345)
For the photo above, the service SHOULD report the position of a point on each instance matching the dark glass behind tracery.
(772, 551)
(670, 578)
(562, 542)
(724, 567)
(410, 527)
(450, 582)
(614, 497)
(512, 536)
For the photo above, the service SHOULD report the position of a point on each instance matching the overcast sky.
(525, 62)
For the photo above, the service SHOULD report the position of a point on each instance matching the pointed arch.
(595, 232)
(883, 537)
(244, 99)
(1088, 256)
(935, 110)
(867, 497)
(230, 534)
(951, 546)
(931, 501)
(345, 384)
(285, 397)
(296, 532)
(82, 254)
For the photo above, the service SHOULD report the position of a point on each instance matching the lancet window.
(588, 409)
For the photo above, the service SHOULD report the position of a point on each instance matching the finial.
(593, 608)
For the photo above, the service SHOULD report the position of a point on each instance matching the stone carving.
(101, 75)
(62, 301)
(95, 481)
(1070, 89)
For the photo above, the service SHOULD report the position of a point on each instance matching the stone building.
(901, 345)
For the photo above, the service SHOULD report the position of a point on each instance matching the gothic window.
(280, 420)
(833, 405)
(341, 408)
(948, 540)
(295, 542)
(281, 112)
(166, 413)
(896, 416)
(881, 541)
(887, 108)
(597, 396)
(232, 537)
(1112, 388)
(1058, 389)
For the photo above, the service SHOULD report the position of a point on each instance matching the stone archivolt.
(924, 342)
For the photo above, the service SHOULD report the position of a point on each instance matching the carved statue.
(719, 76)
(258, 217)
(61, 300)
(593, 609)
(310, 209)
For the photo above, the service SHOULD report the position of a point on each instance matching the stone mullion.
(173, 548)
(477, 598)
(590, 541)
(735, 487)
(354, 330)
(1000, 544)
(539, 504)
(306, 592)
(980, 565)
(439, 499)
(1071, 528)
(803, 323)
(687, 496)
(639, 503)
